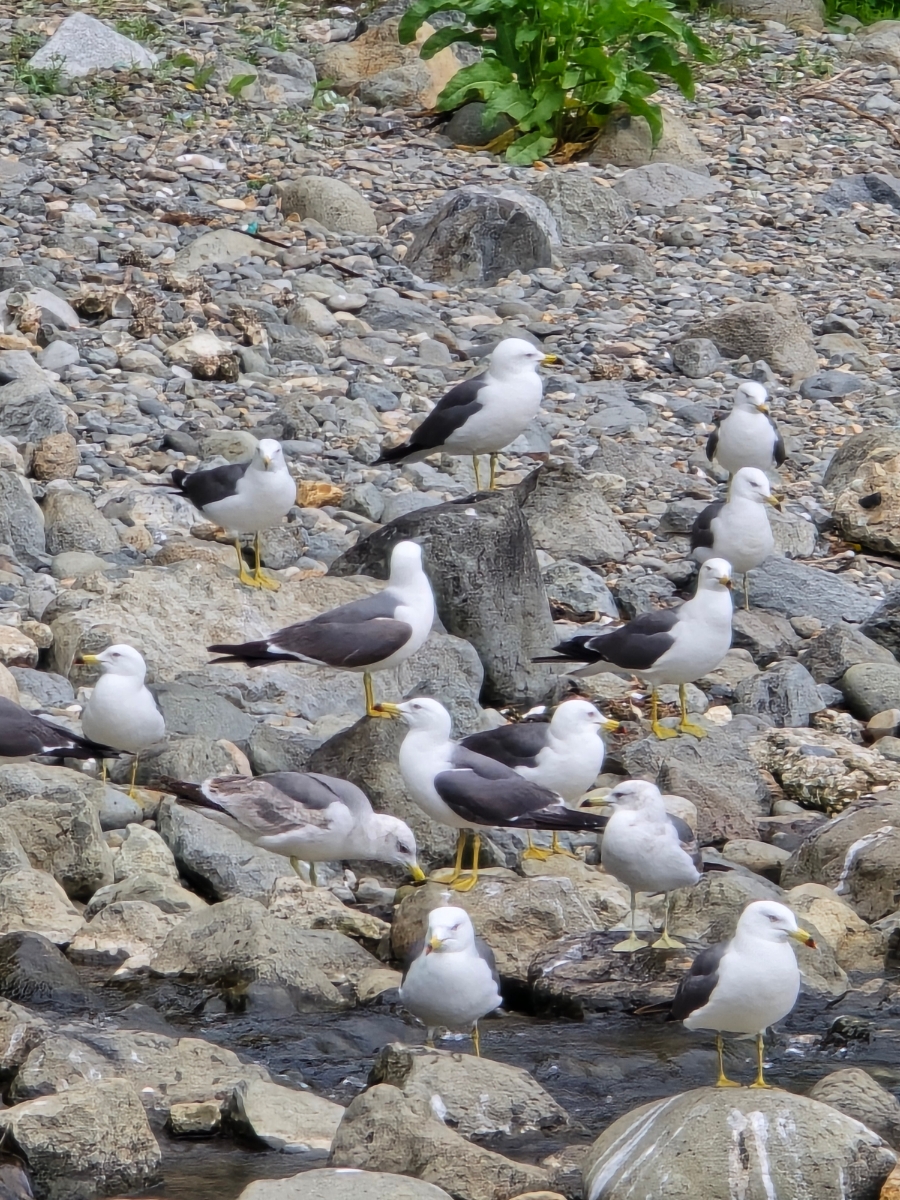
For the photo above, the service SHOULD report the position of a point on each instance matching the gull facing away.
(373, 634)
(746, 984)
(484, 414)
(242, 498)
(469, 791)
(747, 437)
(564, 754)
(737, 529)
(648, 850)
(121, 711)
(306, 817)
(24, 735)
(672, 645)
(451, 979)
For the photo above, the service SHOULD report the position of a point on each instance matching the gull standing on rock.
(747, 437)
(469, 791)
(738, 529)
(121, 711)
(376, 633)
(242, 498)
(673, 645)
(484, 414)
(451, 978)
(648, 850)
(564, 754)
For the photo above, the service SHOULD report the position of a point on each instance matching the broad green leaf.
(447, 36)
(651, 113)
(529, 148)
(511, 100)
(478, 79)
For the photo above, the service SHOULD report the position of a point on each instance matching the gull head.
(752, 484)
(715, 575)
(118, 660)
(515, 356)
(752, 397)
(772, 922)
(268, 456)
(636, 795)
(421, 714)
(449, 930)
(580, 717)
(395, 843)
(406, 562)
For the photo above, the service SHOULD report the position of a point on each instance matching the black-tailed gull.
(674, 645)
(121, 711)
(373, 634)
(306, 817)
(24, 735)
(244, 497)
(469, 791)
(451, 979)
(737, 529)
(484, 414)
(747, 437)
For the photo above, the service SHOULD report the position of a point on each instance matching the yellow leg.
(466, 885)
(429, 1038)
(492, 486)
(476, 1040)
(723, 1081)
(759, 1081)
(533, 851)
(664, 942)
(134, 767)
(477, 476)
(371, 710)
(261, 580)
(457, 866)
(684, 724)
(661, 731)
(103, 770)
(295, 863)
(556, 848)
(633, 942)
(244, 575)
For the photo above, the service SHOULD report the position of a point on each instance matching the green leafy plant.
(40, 81)
(556, 68)
(235, 86)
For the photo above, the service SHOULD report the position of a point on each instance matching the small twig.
(814, 88)
(860, 112)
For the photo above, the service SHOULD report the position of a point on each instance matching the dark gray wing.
(712, 443)
(309, 789)
(778, 450)
(206, 487)
(702, 536)
(515, 745)
(697, 985)
(634, 646)
(688, 839)
(485, 952)
(449, 414)
(23, 734)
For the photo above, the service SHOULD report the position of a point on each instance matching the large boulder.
(774, 331)
(793, 589)
(299, 1122)
(721, 1144)
(570, 518)
(33, 902)
(21, 520)
(34, 972)
(856, 1094)
(332, 1183)
(82, 44)
(584, 210)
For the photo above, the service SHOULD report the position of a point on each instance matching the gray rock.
(33, 902)
(117, 809)
(55, 311)
(35, 973)
(856, 1094)
(166, 895)
(58, 355)
(828, 385)
(333, 1183)
(626, 141)
(640, 593)
(12, 855)
(632, 259)
(128, 930)
(143, 851)
(883, 625)
(297, 1122)
(29, 411)
(785, 693)
(466, 126)
(272, 748)
(696, 357)
(73, 564)
(45, 688)
(193, 710)
(584, 211)
(21, 521)
(332, 203)
(398, 504)
(871, 688)
(83, 44)
(73, 522)
(852, 453)
(662, 185)
(185, 757)
(838, 648)
(579, 588)
(784, 1138)
(860, 189)
(219, 247)
(766, 636)
(795, 590)
(773, 331)
(569, 516)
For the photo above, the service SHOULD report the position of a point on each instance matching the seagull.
(451, 978)
(564, 754)
(747, 437)
(675, 645)
(24, 735)
(244, 497)
(648, 850)
(121, 710)
(306, 817)
(484, 414)
(746, 984)
(373, 634)
(469, 791)
(737, 529)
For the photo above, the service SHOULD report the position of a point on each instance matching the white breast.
(501, 419)
(420, 760)
(746, 439)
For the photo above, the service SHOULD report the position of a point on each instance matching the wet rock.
(383, 1130)
(33, 972)
(696, 357)
(795, 590)
(774, 331)
(785, 694)
(127, 930)
(570, 518)
(332, 203)
(82, 44)
(584, 211)
(331, 1183)
(836, 649)
(479, 1097)
(93, 1137)
(871, 688)
(784, 1137)
(883, 625)
(857, 948)
(822, 770)
(33, 902)
(662, 184)
(21, 520)
(856, 1094)
(72, 522)
(284, 1119)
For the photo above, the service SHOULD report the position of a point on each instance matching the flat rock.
(219, 247)
(663, 184)
(793, 590)
(297, 1122)
(343, 1183)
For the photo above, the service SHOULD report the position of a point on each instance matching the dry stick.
(859, 112)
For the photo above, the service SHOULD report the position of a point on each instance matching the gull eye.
(773, 918)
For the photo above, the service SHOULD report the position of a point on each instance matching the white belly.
(684, 663)
(498, 424)
(565, 769)
(265, 498)
(445, 993)
(126, 720)
(745, 440)
(753, 991)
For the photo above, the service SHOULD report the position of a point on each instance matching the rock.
(9, 688)
(16, 648)
(857, 948)
(332, 203)
(21, 521)
(167, 896)
(20, 1031)
(195, 1119)
(58, 355)
(883, 625)
(696, 357)
(856, 1094)
(124, 931)
(821, 770)
(662, 184)
(828, 385)
(181, 758)
(343, 1184)
(75, 565)
(40, 689)
(479, 235)
(795, 590)
(53, 1065)
(625, 141)
(868, 511)
(143, 851)
(33, 902)
(309, 313)
(56, 457)
(758, 857)
(785, 693)
(34, 972)
(492, 595)
(796, 14)
(782, 1138)
(774, 331)
(383, 1130)
(578, 588)
(12, 856)
(219, 247)
(72, 522)
(29, 411)
(836, 649)
(466, 126)
(309, 907)
(82, 44)
(584, 210)
(217, 860)
(284, 1119)
(92, 1138)
(194, 710)
(569, 517)
(853, 452)
(871, 688)
(877, 43)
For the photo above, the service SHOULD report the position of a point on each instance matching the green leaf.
(511, 100)
(237, 83)
(417, 14)
(447, 36)
(651, 113)
(530, 148)
(477, 80)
